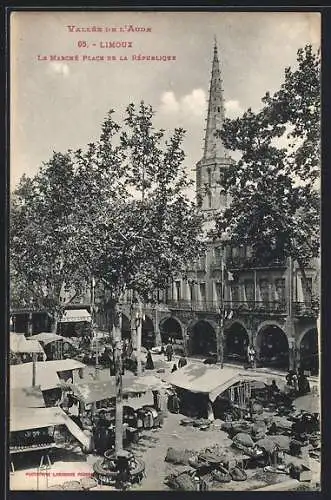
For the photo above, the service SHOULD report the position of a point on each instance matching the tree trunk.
(139, 338)
(54, 324)
(117, 336)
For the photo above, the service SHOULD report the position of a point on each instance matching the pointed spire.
(213, 147)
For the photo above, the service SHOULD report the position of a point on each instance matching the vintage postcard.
(164, 251)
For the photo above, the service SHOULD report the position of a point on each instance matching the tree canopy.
(274, 187)
(116, 210)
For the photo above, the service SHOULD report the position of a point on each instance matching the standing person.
(182, 362)
(175, 403)
(169, 352)
(174, 368)
(156, 400)
(149, 361)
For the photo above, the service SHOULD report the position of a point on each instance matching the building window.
(191, 285)
(217, 255)
(202, 287)
(235, 252)
(264, 290)
(209, 176)
(209, 200)
(218, 288)
(280, 289)
(309, 284)
(202, 262)
(249, 290)
(219, 109)
(242, 252)
(177, 287)
(235, 292)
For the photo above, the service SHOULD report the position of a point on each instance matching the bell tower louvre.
(210, 196)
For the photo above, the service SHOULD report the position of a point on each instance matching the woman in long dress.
(149, 362)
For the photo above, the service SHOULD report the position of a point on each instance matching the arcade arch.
(309, 359)
(236, 342)
(148, 333)
(202, 338)
(170, 328)
(272, 345)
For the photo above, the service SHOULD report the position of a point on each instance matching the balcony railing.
(238, 306)
(300, 309)
(306, 309)
(246, 262)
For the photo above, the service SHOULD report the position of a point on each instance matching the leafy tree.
(274, 186)
(48, 270)
(117, 211)
(152, 230)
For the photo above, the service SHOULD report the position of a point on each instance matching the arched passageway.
(148, 333)
(203, 338)
(170, 329)
(126, 327)
(309, 352)
(236, 342)
(273, 347)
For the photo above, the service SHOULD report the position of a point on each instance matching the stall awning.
(26, 397)
(21, 376)
(19, 344)
(23, 419)
(48, 337)
(91, 392)
(205, 379)
(46, 373)
(75, 316)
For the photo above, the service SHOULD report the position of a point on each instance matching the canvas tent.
(210, 380)
(204, 379)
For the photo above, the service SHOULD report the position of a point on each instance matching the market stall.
(24, 349)
(199, 385)
(48, 375)
(32, 430)
(55, 346)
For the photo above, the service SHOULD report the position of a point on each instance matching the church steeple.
(213, 146)
(211, 197)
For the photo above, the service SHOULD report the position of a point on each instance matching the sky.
(58, 104)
